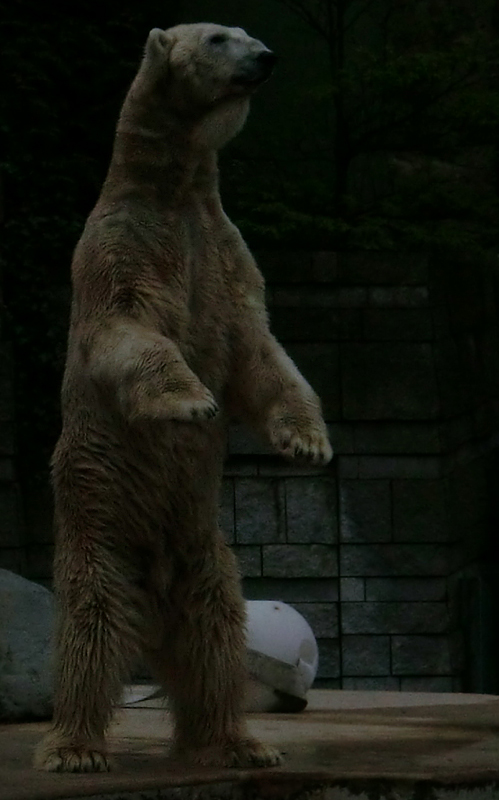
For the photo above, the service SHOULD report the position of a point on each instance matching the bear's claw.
(182, 407)
(251, 752)
(314, 447)
(72, 759)
(203, 410)
(243, 753)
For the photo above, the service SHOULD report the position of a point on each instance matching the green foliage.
(64, 70)
(411, 153)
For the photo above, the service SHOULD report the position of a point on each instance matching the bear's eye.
(218, 38)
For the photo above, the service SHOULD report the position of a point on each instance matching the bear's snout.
(257, 68)
(267, 59)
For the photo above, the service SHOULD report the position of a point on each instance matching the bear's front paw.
(311, 445)
(194, 404)
(197, 409)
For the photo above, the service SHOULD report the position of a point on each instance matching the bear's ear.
(158, 45)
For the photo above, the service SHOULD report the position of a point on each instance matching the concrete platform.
(363, 745)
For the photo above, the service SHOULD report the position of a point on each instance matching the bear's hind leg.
(202, 666)
(97, 639)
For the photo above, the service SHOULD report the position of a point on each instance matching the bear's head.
(207, 72)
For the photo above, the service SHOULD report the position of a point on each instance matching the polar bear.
(168, 340)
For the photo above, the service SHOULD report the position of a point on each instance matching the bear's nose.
(256, 68)
(267, 59)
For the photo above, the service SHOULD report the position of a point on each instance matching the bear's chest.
(207, 264)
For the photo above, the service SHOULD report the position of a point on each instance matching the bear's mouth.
(246, 82)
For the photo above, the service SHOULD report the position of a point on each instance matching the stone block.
(328, 683)
(341, 435)
(292, 266)
(329, 658)
(322, 618)
(408, 589)
(420, 511)
(365, 655)
(393, 438)
(320, 297)
(365, 511)
(489, 347)
(260, 514)
(455, 395)
(40, 559)
(292, 590)
(250, 560)
(394, 618)
(420, 655)
(437, 683)
(324, 267)
(399, 466)
(279, 467)
(300, 561)
(440, 317)
(238, 467)
(13, 559)
(460, 281)
(7, 447)
(394, 560)
(397, 325)
(386, 269)
(10, 521)
(352, 590)
(486, 416)
(347, 466)
(385, 380)
(398, 296)
(6, 470)
(316, 324)
(352, 296)
(468, 496)
(242, 441)
(26, 629)
(226, 516)
(6, 388)
(386, 683)
(38, 511)
(319, 363)
(311, 512)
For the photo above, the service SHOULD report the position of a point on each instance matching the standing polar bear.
(168, 340)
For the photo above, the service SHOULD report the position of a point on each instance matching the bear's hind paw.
(252, 753)
(241, 753)
(71, 759)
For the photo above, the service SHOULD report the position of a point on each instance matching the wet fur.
(168, 339)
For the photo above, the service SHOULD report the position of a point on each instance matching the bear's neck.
(157, 156)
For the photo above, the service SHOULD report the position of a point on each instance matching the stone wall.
(388, 552)
(12, 543)
(404, 351)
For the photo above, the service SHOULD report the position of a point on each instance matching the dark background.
(377, 136)
(379, 131)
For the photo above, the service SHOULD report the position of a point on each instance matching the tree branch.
(361, 11)
(391, 124)
(301, 11)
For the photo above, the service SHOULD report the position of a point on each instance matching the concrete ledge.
(367, 745)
